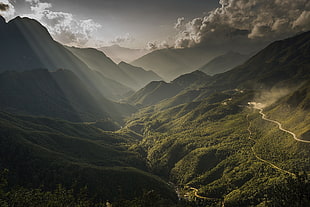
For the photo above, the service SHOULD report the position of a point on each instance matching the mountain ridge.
(32, 47)
(224, 63)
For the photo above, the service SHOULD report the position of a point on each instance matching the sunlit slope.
(222, 146)
(32, 47)
(128, 75)
(59, 94)
(293, 111)
(98, 61)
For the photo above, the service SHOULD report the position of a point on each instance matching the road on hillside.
(261, 159)
(205, 198)
(281, 128)
(261, 109)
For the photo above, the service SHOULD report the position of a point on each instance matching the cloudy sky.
(162, 23)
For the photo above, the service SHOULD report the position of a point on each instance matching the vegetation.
(47, 152)
(207, 145)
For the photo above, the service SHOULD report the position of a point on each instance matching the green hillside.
(218, 148)
(45, 152)
(207, 145)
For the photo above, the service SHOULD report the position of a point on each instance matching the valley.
(177, 127)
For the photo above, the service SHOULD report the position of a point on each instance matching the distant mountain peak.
(30, 27)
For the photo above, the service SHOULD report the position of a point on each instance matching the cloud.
(244, 20)
(123, 39)
(180, 23)
(63, 26)
(155, 45)
(7, 10)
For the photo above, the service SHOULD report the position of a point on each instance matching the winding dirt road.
(261, 159)
(199, 196)
(271, 164)
(260, 107)
(281, 128)
(196, 193)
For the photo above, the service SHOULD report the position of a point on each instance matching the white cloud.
(245, 19)
(180, 23)
(123, 39)
(155, 45)
(8, 10)
(63, 26)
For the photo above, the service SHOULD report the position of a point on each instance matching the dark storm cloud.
(4, 7)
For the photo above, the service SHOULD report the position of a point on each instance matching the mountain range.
(236, 138)
(157, 91)
(173, 62)
(222, 150)
(32, 47)
(170, 63)
(130, 76)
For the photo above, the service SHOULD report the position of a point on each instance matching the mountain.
(275, 66)
(157, 91)
(238, 138)
(224, 63)
(121, 54)
(282, 63)
(138, 74)
(32, 47)
(60, 94)
(209, 139)
(132, 77)
(224, 149)
(171, 63)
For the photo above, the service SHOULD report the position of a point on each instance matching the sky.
(156, 24)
